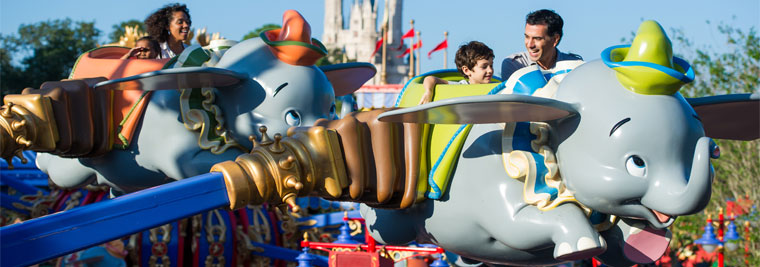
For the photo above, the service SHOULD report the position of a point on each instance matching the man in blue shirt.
(543, 32)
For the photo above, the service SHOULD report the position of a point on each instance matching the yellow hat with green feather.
(648, 66)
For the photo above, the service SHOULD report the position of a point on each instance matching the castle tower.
(395, 23)
(358, 39)
(396, 69)
(333, 21)
(369, 18)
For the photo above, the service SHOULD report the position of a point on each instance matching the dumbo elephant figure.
(597, 162)
(203, 110)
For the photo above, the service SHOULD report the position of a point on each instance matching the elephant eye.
(636, 166)
(332, 112)
(714, 150)
(292, 118)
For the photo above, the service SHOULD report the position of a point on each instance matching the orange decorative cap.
(292, 43)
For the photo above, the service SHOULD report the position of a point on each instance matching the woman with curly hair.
(170, 25)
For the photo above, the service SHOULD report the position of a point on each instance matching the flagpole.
(344, 59)
(419, 59)
(383, 74)
(411, 55)
(445, 39)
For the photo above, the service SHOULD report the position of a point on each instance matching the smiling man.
(543, 32)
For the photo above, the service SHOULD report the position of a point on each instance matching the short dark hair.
(546, 17)
(152, 44)
(157, 24)
(469, 54)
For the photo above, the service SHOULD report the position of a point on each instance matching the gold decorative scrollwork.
(216, 236)
(289, 228)
(196, 119)
(260, 230)
(355, 249)
(159, 239)
(73, 200)
(355, 226)
(41, 203)
(195, 224)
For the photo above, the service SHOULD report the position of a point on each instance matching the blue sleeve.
(508, 66)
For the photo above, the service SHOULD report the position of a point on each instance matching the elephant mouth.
(663, 218)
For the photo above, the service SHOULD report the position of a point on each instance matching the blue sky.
(590, 26)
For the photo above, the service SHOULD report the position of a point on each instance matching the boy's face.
(481, 72)
(145, 52)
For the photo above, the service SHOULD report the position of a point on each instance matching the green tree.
(117, 30)
(49, 50)
(10, 76)
(334, 56)
(255, 33)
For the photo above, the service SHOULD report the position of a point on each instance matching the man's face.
(481, 72)
(541, 46)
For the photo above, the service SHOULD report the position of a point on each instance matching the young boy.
(145, 48)
(474, 61)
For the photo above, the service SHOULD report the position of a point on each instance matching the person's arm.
(132, 52)
(429, 84)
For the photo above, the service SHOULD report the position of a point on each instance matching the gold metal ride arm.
(26, 123)
(277, 171)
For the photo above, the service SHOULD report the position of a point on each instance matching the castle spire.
(333, 21)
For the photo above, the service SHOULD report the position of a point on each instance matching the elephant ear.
(483, 109)
(735, 116)
(179, 78)
(348, 77)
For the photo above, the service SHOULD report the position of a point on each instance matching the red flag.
(414, 47)
(441, 46)
(408, 34)
(377, 47)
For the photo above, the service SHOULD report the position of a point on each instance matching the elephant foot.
(584, 248)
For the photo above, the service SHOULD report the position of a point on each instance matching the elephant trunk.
(695, 194)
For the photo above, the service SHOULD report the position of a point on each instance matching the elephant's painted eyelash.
(279, 88)
(617, 125)
(696, 117)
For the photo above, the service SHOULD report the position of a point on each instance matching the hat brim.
(646, 77)
(294, 52)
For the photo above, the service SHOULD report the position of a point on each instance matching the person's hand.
(133, 52)
(429, 84)
(427, 97)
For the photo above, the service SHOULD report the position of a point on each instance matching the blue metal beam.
(19, 185)
(7, 201)
(58, 234)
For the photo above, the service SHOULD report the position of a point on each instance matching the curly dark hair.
(157, 23)
(152, 43)
(469, 54)
(546, 17)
